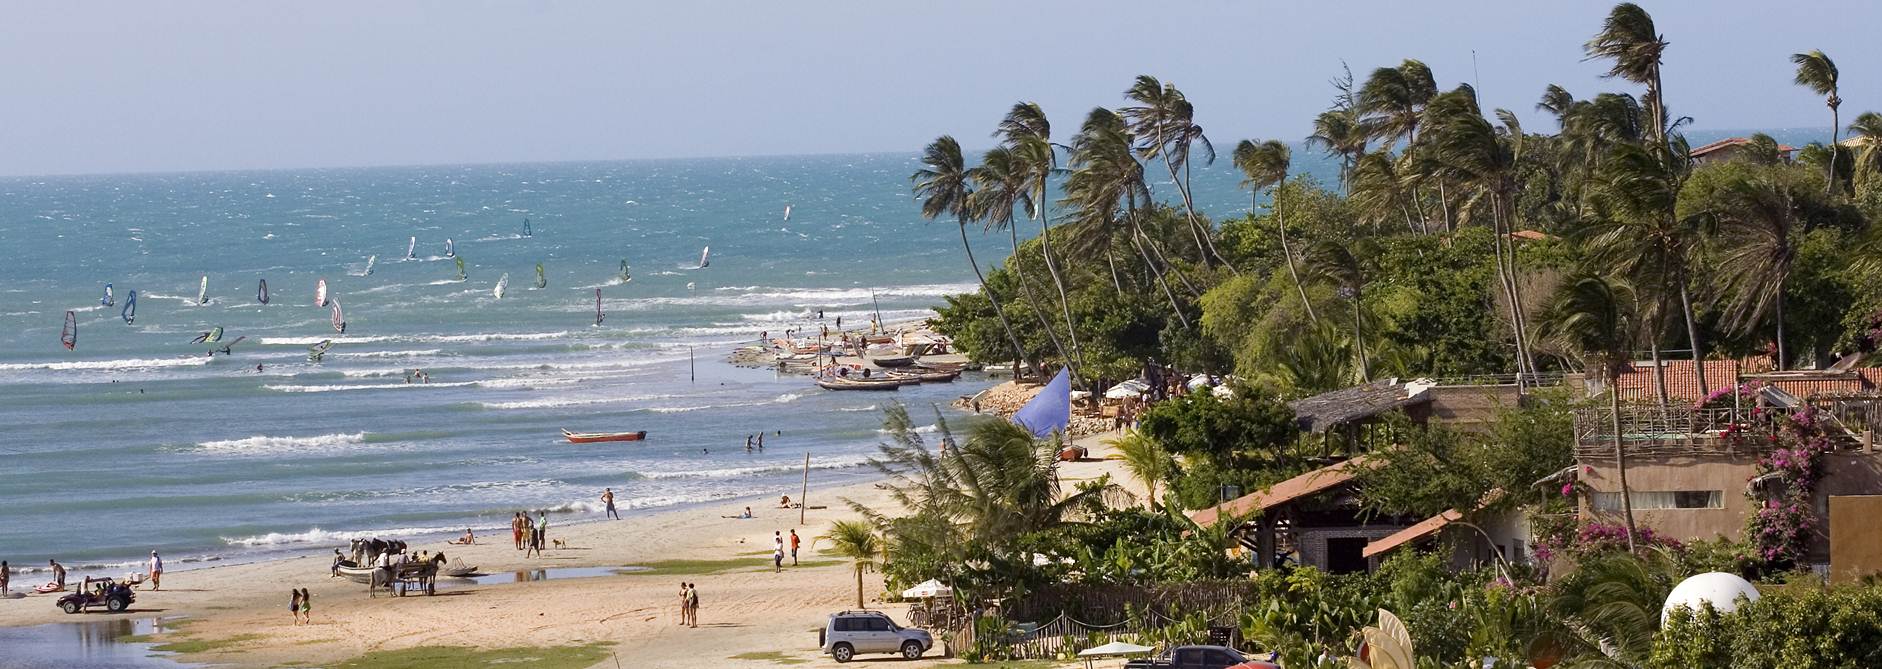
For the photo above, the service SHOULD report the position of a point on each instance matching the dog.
(559, 544)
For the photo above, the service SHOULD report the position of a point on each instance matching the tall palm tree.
(1001, 184)
(1265, 165)
(1600, 318)
(1390, 104)
(1817, 72)
(1628, 38)
(945, 189)
(1105, 184)
(1340, 134)
(1028, 134)
(1866, 130)
(1759, 214)
(1337, 263)
(1378, 192)
(1147, 461)
(858, 541)
(1164, 123)
(1637, 184)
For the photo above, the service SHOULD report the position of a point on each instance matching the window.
(878, 625)
(1647, 500)
(845, 625)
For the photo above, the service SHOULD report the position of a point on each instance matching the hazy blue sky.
(156, 86)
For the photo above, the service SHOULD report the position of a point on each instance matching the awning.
(926, 589)
(1114, 648)
(1131, 388)
(1421, 530)
(1307, 484)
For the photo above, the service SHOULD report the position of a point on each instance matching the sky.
(114, 87)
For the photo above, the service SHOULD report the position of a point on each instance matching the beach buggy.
(103, 592)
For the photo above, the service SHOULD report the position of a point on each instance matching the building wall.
(1855, 546)
(1844, 474)
(1470, 407)
(1312, 541)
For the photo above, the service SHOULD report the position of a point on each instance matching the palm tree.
(1028, 133)
(1378, 192)
(1628, 38)
(858, 541)
(1389, 105)
(1337, 263)
(1147, 461)
(1265, 165)
(1340, 134)
(1637, 184)
(1759, 214)
(1817, 72)
(1165, 126)
(1001, 184)
(1600, 318)
(1866, 131)
(1107, 181)
(944, 186)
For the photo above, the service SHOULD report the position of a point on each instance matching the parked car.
(103, 592)
(849, 633)
(1200, 657)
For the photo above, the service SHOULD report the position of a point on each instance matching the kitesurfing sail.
(626, 276)
(212, 336)
(411, 248)
(69, 337)
(450, 250)
(261, 292)
(503, 284)
(320, 293)
(370, 261)
(541, 280)
(202, 291)
(339, 318)
(107, 300)
(526, 231)
(129, 313)
(318, 351)
(705, 259)
(598, 314)
(460, 269)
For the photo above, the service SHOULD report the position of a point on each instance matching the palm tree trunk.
(1444, 208)
(1019, 352)
(1111, 261)
(1836, 122)
(1025, 288)
(1208, 236)
(1288, 254)
(859, 586)
(1692, 335)
(1620, 457)
(1653, 349)
(1359, 340)
(1516, 288)
(1052, 267)
(1783, 357)
(1525, 367)
(1202, 248)
(1158, 275)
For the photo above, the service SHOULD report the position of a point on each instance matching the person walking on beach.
(294, 605)
(6, 577)
(777, 551)
(794, 543)
(516, 530)
(307, 606)
(692, 604)
(542, 532)
(58, 573)
(156, 571)
(607, 499)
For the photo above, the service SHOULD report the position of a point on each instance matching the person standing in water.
(6, 578)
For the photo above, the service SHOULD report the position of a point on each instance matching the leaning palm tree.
(1336, 262)
(1265, 165)
(945, 188)
(1390, 104)
(1147, 461)
(858, 541)
(1001, 186)
(1340, 134)
(1103, 189)
(1628, 38)
(1028, 134)
(1164, 123)
(1817, 72)
(1599, 317)
(1866, 132)
(1758, 215)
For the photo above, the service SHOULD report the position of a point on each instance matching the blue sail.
(1049, 411)
(107, 300)
(129, 313)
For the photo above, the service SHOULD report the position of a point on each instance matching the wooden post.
(803, 500)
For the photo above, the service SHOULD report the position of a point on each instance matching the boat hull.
(597, 437)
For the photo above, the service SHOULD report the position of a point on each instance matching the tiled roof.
(1731, 142)
(1805, 384)
(1682, 385)
(1310, 483)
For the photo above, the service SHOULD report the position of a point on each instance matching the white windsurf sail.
(370, 261)
(107, 300)
(503, 285)
(202, 291)
(705, 257)
(450, 250)
(411, 249)
(339, 317)
(320, 293)
(787, 212)
(598, 314)
(69, 336)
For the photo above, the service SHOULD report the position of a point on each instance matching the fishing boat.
(595, 437)
(926, 376)
(356, 573)
(892, 360)
(879, 383)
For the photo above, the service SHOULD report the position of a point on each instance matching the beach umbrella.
(1113, 649)
(929, 588)
(1127, 389)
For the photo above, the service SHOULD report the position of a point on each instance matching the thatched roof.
(1328, 410)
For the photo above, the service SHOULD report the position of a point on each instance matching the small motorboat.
(356, 573)
(922, 375)
(593, 437)
(879, 383)
(457, 569)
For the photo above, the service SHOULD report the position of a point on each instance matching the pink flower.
(1568, 490)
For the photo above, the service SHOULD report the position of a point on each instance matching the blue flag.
(1050, 410)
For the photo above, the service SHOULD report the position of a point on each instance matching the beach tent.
(1131, 388)
(928, 588)
(1049, 411)
(1113, 649)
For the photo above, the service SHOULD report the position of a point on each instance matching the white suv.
(851, 632)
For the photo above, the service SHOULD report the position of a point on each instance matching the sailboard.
(450, 250)
(212, 336)
(339, 318)
(320, 293)
(526, 231)
(370, 261)
(626, 276)
(107, 300)
(411, 248)
(261, 292)
(202, 291)
(503, 284)
(69, 336)
(787, 212)
(129, 313)
(318, 351)
(541, 280)
(705, 259)
(598, 314)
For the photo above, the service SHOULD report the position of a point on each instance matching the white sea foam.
(558, 402)
(759, 470)
(388, 354)
(871, 407)
(129, 363)
(320, 536)
(261, 443)
(418, 339)
(363, 386)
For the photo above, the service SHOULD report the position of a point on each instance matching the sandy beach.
(238, 612)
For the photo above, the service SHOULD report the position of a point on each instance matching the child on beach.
(307, 606)
(294, 605)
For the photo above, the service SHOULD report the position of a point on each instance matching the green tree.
(857, 541)
(1817, 72)
(1164, 123)
(1028, 134)
(1264, 166)
(1759, 213)
(1146, 460)
(944, 187)
(1600, 318)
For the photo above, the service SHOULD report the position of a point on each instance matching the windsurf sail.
(107, 300)
(370, 261)
(526, 231)
(229, 348)
(212, 336)
(705, 259)
(339, 318)
(411, 248)
(626, 276)
(318, 351)
(320, 293)
(503, 284)
(1050, 410)
(541, 280)
(787, 212)
(69, 336)
(450, 250)
(460, 269)
(261, 292)
(202, 291)
(598, 314)
(129, 313)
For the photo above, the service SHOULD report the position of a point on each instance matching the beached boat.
(355, 573)
(593, 437)
(926, 376)
(881, 383)
(892, 360)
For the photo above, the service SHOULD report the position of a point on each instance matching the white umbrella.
(1115, 648)
(1131, 388)
(929, 588)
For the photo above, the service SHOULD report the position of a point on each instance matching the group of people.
(777, 550)
(531, 535)
(301, 604)
(58, 574)
(689, 605)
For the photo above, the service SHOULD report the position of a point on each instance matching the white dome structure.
(1719, 589)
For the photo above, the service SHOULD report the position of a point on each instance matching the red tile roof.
(1682, 385)
(1731, 142)
(1307, 484)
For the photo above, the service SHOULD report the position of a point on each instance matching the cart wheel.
(116, 604)
(70, 607)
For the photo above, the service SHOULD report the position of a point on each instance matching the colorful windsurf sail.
(129, 313)
(542, 281)
(69, 336)
(598, 314)
(339, 318)
(626, 276)
(460, 269)
(318, 351)
(212, 336)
